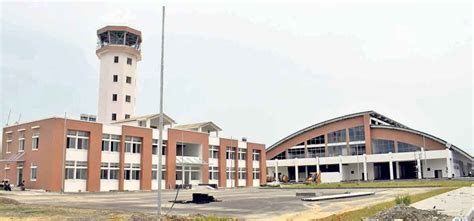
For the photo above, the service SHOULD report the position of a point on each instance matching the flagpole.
(160, 140)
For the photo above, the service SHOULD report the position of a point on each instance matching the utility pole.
(160, 140)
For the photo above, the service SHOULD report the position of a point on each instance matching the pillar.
(449, 165)
(418, 164)
(317, 165)
(390, 165)
(296, 171)
(276, 171)
(397, 168)
(365, 168)
(340, 168)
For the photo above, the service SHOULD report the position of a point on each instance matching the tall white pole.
(160, 140)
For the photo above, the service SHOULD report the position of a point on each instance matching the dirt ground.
(245, 203)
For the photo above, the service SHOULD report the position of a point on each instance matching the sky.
(257, 69)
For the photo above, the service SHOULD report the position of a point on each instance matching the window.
(76, 170)
(34, 171)
(230, 153)
(21, 141)
(9, 141)
(114, 171)
(382, 146)
(104, 171)
(154, 147)
(114, 97)
(337, 136)
(358, 149)
(280, 156)
(336, 151)
(230, 173)
(81, 170)
(406, 147)
(296, 153)
(256, 173)
(316, 140)
(115, 78)
(127, 116)
(242, 173)
(132, 171)
(356, 133)
(256, 155)
(154, 172)
(69, 170)
(114, 116)
(110, 142)
(116, 59)
(242, 153)
(314, 152)
(77, 140)
(128, 80)
(129, 61)
(214, 152)
(213, 173)
(133, 144)
(35, 139)
(128, 98)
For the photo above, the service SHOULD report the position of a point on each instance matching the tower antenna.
(8, 118)
(19, 118)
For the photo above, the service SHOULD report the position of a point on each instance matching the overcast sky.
(258, 70)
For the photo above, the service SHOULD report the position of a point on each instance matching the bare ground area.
(246, 203)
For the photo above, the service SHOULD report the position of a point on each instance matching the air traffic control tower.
(118, 49)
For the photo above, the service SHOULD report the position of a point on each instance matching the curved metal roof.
(318, 125)
(392, 125)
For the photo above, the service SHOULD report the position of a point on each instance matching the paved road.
(456, 203)
(249, 203)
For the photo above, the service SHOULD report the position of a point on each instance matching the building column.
(449, 165)
(317, 165)
(390, 165)
(397, 168)
(365, 168)
(418, 164)
(276, 171)
(340, 168)
(296, 171)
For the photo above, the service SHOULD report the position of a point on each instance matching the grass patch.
(372, 210)
(403, 199)
(383, 184)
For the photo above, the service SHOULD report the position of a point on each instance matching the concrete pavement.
(248, 203)
(456, 203)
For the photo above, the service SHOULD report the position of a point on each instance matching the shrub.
(403, 199)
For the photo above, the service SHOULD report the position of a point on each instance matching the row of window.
(379, 146)
(77, 170)
(21, 140)
(129, 60)
(241, 172)
(128, 79)
(128, 98)
(114, 116)
(355, 134)
(230, 153)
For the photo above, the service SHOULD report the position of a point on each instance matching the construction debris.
(402, 212)
(198, 198)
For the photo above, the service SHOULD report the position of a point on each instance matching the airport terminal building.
(365, 146)
(118, 151)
